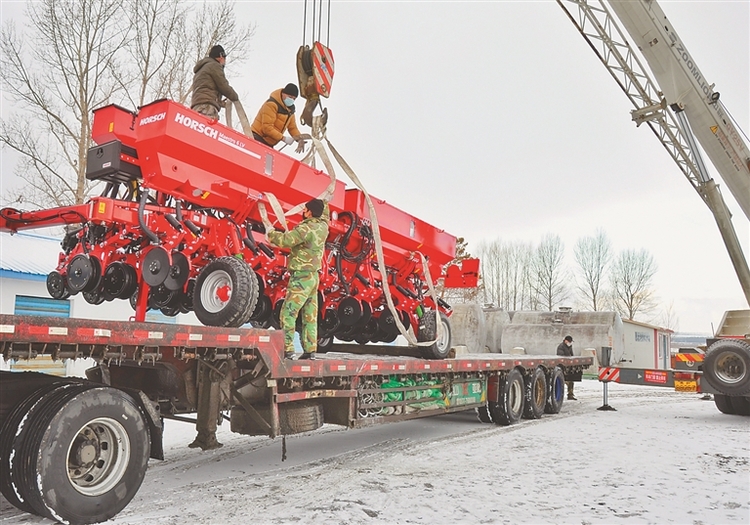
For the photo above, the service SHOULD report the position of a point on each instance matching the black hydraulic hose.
(249, 241)
(192, 227)
(142, 219)
(174, 222)
(268, 251)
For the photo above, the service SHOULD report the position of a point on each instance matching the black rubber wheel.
(96, 297)
(57, 287)
(87, 454)
(428, 332)
(11, 437)
(119, 280)
(512, 396)
(483, 414)
(535, 397)
(741, 405)
(555, 391)
(726, 367)
(723, 403)
(225, 293)
(294, 417)
(83, 273)
(325, 344)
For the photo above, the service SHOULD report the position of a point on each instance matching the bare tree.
(507, 276)
(593, 256)
(669, 318)
(85, 56)
(631, 278)
(549, 271)
(73, 56)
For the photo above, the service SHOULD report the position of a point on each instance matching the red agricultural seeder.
(178, 228)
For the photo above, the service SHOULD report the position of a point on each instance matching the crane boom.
(698, 113)
(683, 84)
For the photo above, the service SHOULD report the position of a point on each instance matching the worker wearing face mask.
(276, 116)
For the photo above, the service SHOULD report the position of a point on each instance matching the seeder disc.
(156, 266)
(179, 272)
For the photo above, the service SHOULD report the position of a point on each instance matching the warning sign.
(655, 376)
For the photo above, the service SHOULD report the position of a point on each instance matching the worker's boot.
(205, 441)
(569, 384)
(308, 355)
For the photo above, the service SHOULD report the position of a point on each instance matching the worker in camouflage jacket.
(210, 84)
(306, 243)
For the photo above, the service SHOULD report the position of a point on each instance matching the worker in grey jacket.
(210, 84)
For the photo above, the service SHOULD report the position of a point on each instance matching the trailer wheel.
(723, 403)
(87, 454)
(535, 397)
(428, 332)
(225, 293)
(555, 391)
(726, 367)
(12, 435)
(483, 414)
(741, 405)
(511, 405)
(302, 416)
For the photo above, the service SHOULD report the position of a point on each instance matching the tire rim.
(98, 456)
(540, 393)
(516, 397)
(730, 368)
(216, 291)
(444, 339)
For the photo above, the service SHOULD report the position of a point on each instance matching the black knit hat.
(216, 52)
(291, 89)
(316, 207)
(568, 338)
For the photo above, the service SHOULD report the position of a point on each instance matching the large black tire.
(428, 332)
(511, 405)
(483, 414)
(723, 403)
(555, 391)
(741, 405)
(87, 454)
(226, 292)
(726, 367)
(294, 417)
(13, 434)
(535, 394)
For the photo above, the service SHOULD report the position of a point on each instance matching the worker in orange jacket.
(276, 116)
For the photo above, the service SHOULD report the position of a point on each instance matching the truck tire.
(726, 367)
(723, 403)
(483, 414)
(555, 391)
(535, 394)
(12, 435)
(226, 292)
(741, 405)
(511, 405)
(428, 332)
(294, 418)
(88, 453)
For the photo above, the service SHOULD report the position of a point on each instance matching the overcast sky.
(495, 120)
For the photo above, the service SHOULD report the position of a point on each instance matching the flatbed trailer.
(76, 450)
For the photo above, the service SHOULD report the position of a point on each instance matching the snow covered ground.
(662, 457)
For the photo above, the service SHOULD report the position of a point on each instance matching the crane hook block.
(315, 68)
